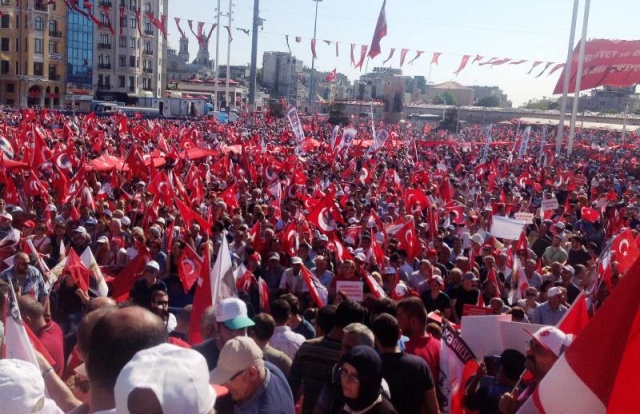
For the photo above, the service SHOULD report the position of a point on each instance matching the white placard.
(352, 290)
(506, 228)
(549, 204)
(526, 217)
(482, 334)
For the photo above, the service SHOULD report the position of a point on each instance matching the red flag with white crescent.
(318, 291)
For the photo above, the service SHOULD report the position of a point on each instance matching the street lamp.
(313, 58)
(444, 103)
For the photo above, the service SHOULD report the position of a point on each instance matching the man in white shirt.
(284, 339)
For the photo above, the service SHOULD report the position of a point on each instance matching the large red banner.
(606, 62)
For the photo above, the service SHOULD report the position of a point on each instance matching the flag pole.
(576, 93)
(567, 77)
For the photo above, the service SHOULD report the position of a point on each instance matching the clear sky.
(517, 29)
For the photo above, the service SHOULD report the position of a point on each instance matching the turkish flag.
(590, 214)
(318, 291)
(599, 370)
(189, 268)
(136, 164)
(626, 250)
(376, 290)
(576, 318)
(76, 270)
(126, 279)
(324, 213)
(379, 33)
(331, 76)
(188, 215)
(336, 246)
(202, 299)
(41, 153)
(415, 196)
(264, 295)
(229, 197)
(161, 188)
(408, 239)
(288, 238)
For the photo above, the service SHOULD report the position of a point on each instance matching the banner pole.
(567, 77)
(576, 94)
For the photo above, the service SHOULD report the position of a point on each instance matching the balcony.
(147, 70)
(53, 33)
(104, 46)
(148, 32)
(105, 3)
(148, 88)
(54, 77)
(147, 52)
(104, 65)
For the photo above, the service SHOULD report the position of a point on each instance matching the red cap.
(29, 224)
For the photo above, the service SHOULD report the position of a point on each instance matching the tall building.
(79, 42)
(481, 92)
(129, 56)
(32, 68)
(281, 73)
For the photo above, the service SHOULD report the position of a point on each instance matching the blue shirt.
(273, 397)
(33, 283)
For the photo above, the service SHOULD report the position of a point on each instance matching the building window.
(104, 39)
(53, 26)
(133, 5)
(133, 23)
(132, 83)
(122, 61)
(147, 6)
(38, 68)
(123, 21)
(5, 20)
(52, 72)
(132, 42)
(37, 24)
(132, 61)
(11, 87)
(103, 18)
(4, 2)
(121, 81)
(122, 42)
(38, 45)
(107, 81)
(4, 67)
(53, 46)
(147, 46)
(4, 44)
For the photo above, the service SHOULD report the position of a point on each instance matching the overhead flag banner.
(606, 62)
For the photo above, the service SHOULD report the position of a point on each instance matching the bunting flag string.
(245, 31)
(177, 19)
(213, 26)
(536, 63)
(286, 37)
(160, 23)
(434, 59)
(403, 55)
(353, 59)
(463, 64)
(229, 33)
(393, 50)
(545, 68)
(363, 54)
(106, 8)
(418, 54)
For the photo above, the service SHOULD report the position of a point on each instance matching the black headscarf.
(368, 364)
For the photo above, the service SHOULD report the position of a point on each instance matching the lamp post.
(444, 105)
(313, 59)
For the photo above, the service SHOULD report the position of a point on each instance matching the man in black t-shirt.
(467, 293)
(408, 376)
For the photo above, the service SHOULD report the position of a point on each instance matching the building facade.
(481, 92)
(129, 51)
(463, 95)
(32, 53)
(281, 74)
(79, 41)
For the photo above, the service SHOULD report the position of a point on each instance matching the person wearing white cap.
(546, 346)
(255, 385)
(551, 311)
(165, 379)
(292, 279)
(232, 321)
(149, 283)
(22, 389)
(5, 224)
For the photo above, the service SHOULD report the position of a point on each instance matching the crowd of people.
(348, 256)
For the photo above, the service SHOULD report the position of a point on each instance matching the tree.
(489, 102)
(543, 104)
(448, 97)
(336, 114)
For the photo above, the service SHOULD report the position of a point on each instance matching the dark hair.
(414, 308)
(293, 301)
(512, 363)
(516, 312)
(116, 337)
(386, 329)
(384, 305)
(280, 310)
(264, 326)
(326, 318)
(349, 312)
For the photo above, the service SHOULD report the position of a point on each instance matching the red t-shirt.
(52, 339)
(427, 348)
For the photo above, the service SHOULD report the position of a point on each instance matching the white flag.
(223, 284)
(525, 142)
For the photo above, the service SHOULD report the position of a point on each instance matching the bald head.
(116, 337)
(101, 302)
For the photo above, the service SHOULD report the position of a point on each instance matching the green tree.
(489, 102)
(337, 115)
(448, 97)
(543, 104)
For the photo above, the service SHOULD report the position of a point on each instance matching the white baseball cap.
(178, 377)
(233, 313)
(477, 238)
(6, 216)
(553, 292)
(153, 264)
(126, 221)
(552, 339)
(296, 260)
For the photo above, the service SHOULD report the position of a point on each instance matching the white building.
(129, 60)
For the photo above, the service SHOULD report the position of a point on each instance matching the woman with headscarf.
(360, 377)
